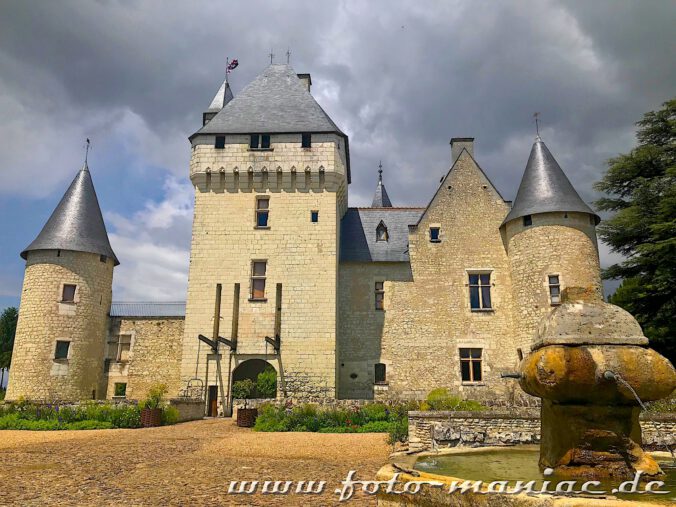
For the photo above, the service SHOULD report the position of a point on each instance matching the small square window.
(380, 295)
(265, 141)
(219, 144)
(380, 373)
(527, 220)
(103, 258)
(306, 141)
(314, 216)
(61, 351)
(262, 211)
(470, 365)
(120, 389)
(254, 140)
(434, 235)
(68, 293)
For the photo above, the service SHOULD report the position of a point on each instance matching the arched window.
(381, 232)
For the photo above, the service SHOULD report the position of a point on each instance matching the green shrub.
(2, 394)
(169, 416)
(337, 429)
(88, 425)
(377, 427)
(155, 396)
(243, 389)
(441, 399)
(271, 418)
(375, 412)
(399, 431)
(266, 383)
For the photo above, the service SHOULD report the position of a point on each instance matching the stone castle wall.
(552, 245)
(427, 315)
(155, 355)
(44, 319)
(300, 255)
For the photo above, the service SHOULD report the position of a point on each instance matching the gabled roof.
(545, 188)
(380, 198)
(157, 309)
(275, 102)
(76, 223)
(358, 234)
(222, 97)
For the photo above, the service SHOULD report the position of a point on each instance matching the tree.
(8, 321)
(640, 189)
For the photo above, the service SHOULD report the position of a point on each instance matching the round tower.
(550, 236)
(61, 332)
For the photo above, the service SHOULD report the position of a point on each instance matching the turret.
(380, 198)
(60, 336)
(221, 99)
(550, 237)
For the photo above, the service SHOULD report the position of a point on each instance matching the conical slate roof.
(275, 102)
(380, 198)
(545, 188)
(76, 223)
(222, 97)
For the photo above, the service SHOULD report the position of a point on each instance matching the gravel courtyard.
(187, 464)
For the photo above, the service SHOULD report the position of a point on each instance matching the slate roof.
(358, 234)
(76, 223)
(275, 102)
(168, 309)
(380, 198)
(222, 97)
(545, 188)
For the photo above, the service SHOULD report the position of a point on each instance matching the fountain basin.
(502, 464)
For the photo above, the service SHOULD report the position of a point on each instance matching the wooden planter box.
(246, 417)
(151, 417)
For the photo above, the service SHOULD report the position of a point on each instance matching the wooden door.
(213, 401)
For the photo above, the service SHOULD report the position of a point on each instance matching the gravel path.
(187, 464)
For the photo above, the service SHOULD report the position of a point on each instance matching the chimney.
(306, 79)
(460, 143)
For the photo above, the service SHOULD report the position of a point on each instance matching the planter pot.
(246, 417)
(151, 417)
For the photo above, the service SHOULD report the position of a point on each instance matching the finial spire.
(271, 55)
(537, 126)
(87, 146)
(380, 171)
(288, 56)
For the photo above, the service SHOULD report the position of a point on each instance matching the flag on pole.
(232, 66)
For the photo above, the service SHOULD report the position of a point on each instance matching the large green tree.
(8, 321)
(640, 189)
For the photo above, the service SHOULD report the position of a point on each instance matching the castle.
(351, 303)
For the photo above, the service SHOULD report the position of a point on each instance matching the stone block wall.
(434, 430)
(154, 357)
(43, 319)
(300, 254)
(188, 409)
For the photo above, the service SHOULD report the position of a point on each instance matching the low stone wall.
(435, 430)
(188, 409)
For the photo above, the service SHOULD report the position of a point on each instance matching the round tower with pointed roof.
(61, 333)
(550, 236)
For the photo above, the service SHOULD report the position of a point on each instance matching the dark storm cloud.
(401, 78)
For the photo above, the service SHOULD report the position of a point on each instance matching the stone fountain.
(591, 366)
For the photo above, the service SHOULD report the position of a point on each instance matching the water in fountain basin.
(519, 464)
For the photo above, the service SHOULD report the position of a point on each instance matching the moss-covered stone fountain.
(591, 366)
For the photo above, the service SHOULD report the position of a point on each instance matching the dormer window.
(259, 142)
(381, 232)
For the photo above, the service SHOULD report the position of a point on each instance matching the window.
(480, 291)
(120, 389)
(306, 141)
(434, 235)
(262, 211)
(381, 232)
(527, 220)
(219, 144)
(68, 293)
(258, 269)
(470, 365)
(61, 351)
(314, 216)
(119, 348)
(103, 258)
(554, 289)
(380, 295)
(380, 373)
(259, 141)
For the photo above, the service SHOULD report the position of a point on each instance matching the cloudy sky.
(401, 78)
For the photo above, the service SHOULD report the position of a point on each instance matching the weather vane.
(271, 55)
(537, 123)
(87, 150)
(288, 56)
(380, 170)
